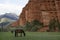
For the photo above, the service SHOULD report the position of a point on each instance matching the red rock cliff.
(41, 10)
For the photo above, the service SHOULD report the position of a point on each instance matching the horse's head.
(12, 31)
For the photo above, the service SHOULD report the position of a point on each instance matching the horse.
(21, 31)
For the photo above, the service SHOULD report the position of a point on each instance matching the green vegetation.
(53, 24)
(33, 26)
(31, 36)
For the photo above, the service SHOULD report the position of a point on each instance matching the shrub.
(33, 26)
(53, 24)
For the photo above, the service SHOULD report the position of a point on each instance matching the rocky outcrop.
(41, 10)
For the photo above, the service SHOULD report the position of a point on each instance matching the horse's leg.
(23, 33)
(16, 34)
(20, 34)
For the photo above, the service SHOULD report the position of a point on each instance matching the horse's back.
(19, 30)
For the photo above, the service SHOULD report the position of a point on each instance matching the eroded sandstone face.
(41, 10)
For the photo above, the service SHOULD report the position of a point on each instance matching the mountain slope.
(10, 16)
(5, 22)
(7, 19)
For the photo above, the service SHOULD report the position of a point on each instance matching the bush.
(53, 24)
(27, 26)
(34, 29)
(33, 26)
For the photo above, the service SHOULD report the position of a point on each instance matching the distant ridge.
(9, 15)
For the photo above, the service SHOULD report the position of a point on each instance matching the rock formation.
(41, 10)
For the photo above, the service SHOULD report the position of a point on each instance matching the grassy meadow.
(31, 36)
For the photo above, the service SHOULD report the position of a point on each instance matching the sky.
(12, 6)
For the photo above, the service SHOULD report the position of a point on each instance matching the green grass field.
(31, 36)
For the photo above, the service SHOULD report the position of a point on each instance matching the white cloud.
(10, 8)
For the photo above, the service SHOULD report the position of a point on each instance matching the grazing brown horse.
(19, 31)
